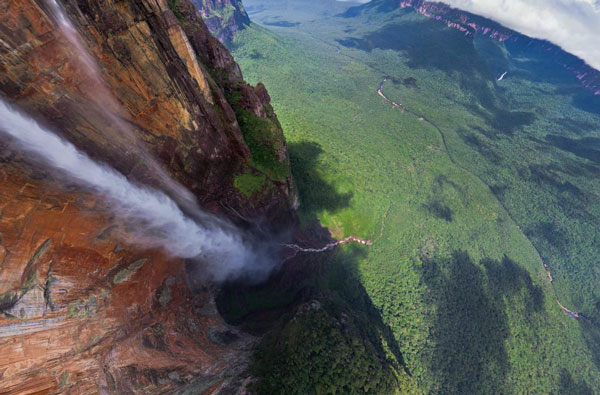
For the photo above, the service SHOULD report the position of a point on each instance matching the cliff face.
(83, 313)
(475, 25)
(223, 17)
(460, 20)
(79, 310)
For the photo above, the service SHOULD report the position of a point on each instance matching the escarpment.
(474, 25)
(146, 89)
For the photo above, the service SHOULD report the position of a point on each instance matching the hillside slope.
(474, 25)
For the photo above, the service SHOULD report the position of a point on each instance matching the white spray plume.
(154, 219)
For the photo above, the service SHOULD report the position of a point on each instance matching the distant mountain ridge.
(472, 25)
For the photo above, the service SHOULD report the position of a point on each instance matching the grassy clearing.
(249, 184)
(260, 136)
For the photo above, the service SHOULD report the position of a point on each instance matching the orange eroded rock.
(98, 322)
(80, 310)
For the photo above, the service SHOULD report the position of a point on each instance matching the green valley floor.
(400, 133)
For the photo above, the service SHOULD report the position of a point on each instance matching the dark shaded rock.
(223, 18)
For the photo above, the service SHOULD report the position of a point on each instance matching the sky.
(574, 25)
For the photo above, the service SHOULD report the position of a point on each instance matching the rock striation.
(223, 18)
(80, 311)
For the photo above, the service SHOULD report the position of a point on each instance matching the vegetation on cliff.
(224, 18)
(82, 309)
(265, 173)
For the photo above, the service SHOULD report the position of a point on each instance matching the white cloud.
(572, 24)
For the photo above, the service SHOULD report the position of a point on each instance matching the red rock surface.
(81, 312)
(107, 316)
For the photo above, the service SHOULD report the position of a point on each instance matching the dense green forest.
(465, 196)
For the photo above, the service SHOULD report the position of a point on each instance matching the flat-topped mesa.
(460, 20)
(471, 25)
(475, 25)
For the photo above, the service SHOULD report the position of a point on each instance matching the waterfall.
(153, 219)
(148, 217)
(109, 106)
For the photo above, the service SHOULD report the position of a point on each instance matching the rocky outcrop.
(460, 20)
(223, 17)
(471, 25)
(80, 311)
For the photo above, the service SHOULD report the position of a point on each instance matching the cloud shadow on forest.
(471, 324)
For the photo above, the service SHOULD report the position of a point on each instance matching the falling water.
(109, 105)
(71, 34)
(154, 220)
(150, 217)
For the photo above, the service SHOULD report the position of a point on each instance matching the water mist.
(153, 218)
